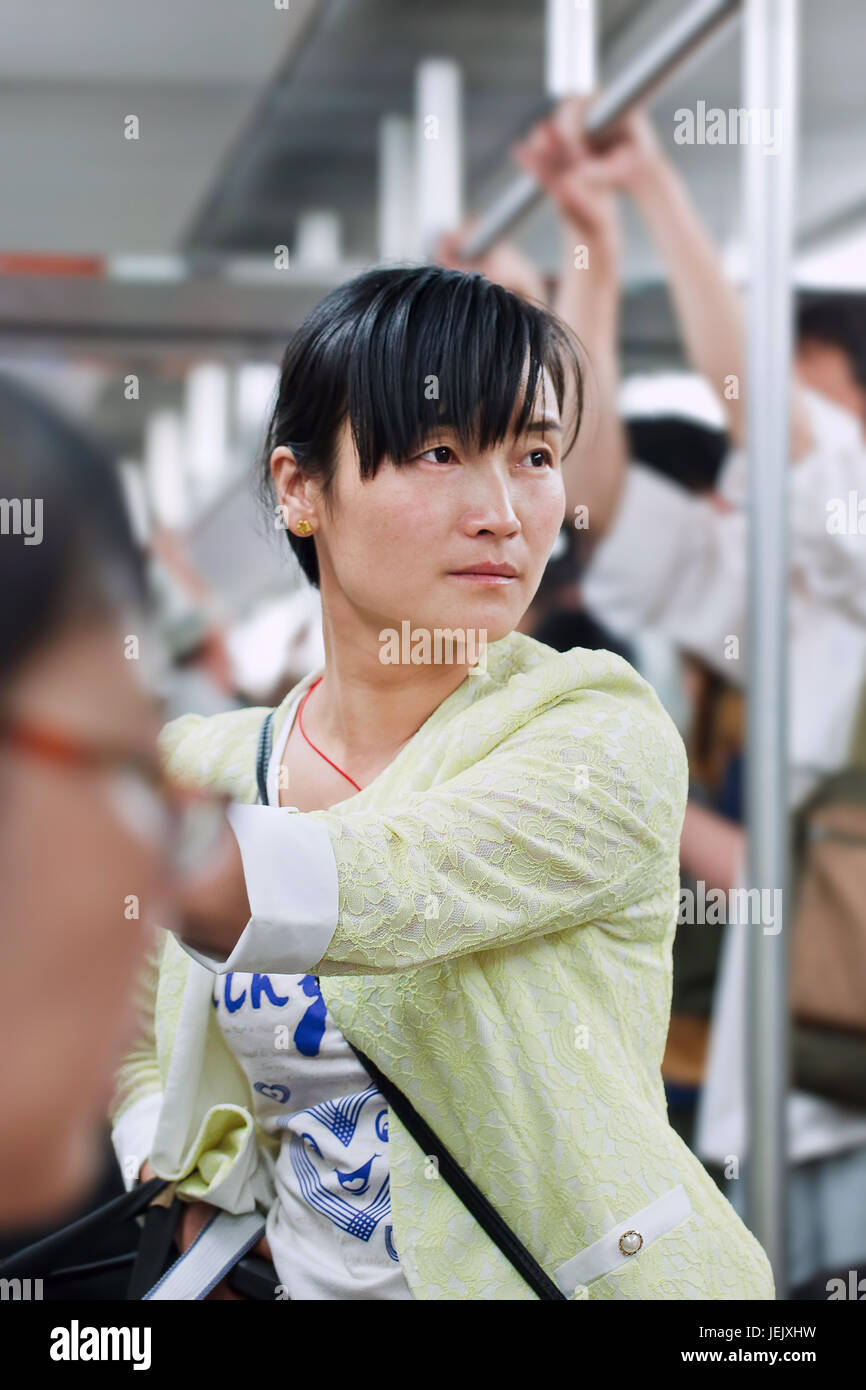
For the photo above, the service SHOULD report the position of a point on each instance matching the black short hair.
(838, 320)
(85, 564)
(399, 352)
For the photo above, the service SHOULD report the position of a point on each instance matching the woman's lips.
(473, 577)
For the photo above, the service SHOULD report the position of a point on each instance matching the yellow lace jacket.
(508, 890)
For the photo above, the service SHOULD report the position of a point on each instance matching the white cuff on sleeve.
(132, 1136)
(292, 884)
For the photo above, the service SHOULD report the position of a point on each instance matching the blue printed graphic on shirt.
(308, 1034)
(341, 1116)
(315, 1173)
(354, 1220)
(389, 1244)
(310, 1030)
(272, 1091)
(348, 1185)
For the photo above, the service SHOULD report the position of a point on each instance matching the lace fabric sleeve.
(135, 1104)
(575, 818)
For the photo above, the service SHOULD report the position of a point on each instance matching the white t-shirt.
(330, 1230)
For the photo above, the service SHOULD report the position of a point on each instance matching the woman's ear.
(293, 501)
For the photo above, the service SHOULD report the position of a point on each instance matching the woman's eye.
(539, 458)
(442, 454)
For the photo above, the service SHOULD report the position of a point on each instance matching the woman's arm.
(572, 819)
(551, 832)
(587, 300)
(712, 847)
(709, 308)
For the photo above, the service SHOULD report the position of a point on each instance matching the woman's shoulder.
(591, 700)
(527, 673)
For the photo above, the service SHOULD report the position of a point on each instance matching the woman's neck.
(364, 707)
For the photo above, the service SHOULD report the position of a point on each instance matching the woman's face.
(78, 881)
(404, 544)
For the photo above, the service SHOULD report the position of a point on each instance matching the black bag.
(67, 1249)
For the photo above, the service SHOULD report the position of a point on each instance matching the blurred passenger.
(831, 351)
(663, 557)
(676, 426)
(80, 842)
(557, 616)
(598, 471)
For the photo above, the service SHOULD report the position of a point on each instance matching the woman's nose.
(493, 510)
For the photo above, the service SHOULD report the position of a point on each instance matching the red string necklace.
(313, 746)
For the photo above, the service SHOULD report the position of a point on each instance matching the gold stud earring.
(305, 527)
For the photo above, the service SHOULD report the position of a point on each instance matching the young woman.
(467, 867)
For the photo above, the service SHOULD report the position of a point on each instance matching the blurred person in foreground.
(488, 914)
(79, 813)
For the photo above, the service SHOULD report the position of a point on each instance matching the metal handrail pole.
(699, 23)
(770, 44)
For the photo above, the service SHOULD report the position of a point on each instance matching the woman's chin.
(488, 609)
(452, 634)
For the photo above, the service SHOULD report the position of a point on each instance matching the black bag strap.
(43, 1256)
(263, 756)
(160, 1223)
(460, 1183)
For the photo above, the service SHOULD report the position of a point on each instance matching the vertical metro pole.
(439, 149)
(770, 60)
(571, 48)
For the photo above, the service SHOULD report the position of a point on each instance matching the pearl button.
(630, 1242)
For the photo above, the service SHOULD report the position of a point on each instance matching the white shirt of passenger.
(676, 563)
